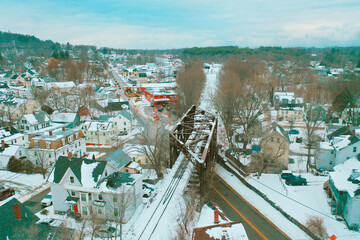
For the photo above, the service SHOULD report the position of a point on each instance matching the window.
(84, 210)
(354, 149)
(77, 135)
(100, 197)
(116, 212)
(63, 141)
(71, 179)
(70, 138)
(133, 158)
(272, 139)
(20, 153)
(115, 123)
(114, 198)
(83, 197)
(146, 160)
(48, 144)
(36, 144)
(99, 211)
(278, 140)
(79, 144)
(89, 196)
(72, 193)
(332, 152)
(127, 170)
(124, 123)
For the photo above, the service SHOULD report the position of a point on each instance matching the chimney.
(63, 128)
(3, 144)
(9, 128)
(50, 133)
(353, 132)
(216, 216)
(70, 155)
(34, 112)
(348, 127)
(17, 211)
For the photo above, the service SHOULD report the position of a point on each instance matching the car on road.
(293, 131)
(47, 201)
(6, 192)
(296, 180)
(146, 193)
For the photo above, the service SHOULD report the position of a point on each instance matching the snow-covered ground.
(25, 185)
(301, 202)
(210, 87)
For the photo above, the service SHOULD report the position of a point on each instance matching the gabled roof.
(64, 117)
(126, 114)
(342, 131)
(87, 171)
(119, 159)
(49, 80)
(37, 118)
(14, 76)
(277, 128)
(117, 178)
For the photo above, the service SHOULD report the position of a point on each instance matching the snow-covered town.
(150, 135)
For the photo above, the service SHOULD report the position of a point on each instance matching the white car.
(51, 222)
(47, 201)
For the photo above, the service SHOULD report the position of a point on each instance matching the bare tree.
(190, 84)
(270, 154)
(156, 148)
(42, 161)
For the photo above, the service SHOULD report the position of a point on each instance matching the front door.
(76, 209)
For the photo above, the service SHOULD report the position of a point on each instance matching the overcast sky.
(159, 24)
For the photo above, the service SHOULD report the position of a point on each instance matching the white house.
(121, 121)
(338, 150)
(345, 192)
(33, 122)
(97, 132)
(80, 186)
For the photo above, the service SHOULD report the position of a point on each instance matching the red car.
(6, 192)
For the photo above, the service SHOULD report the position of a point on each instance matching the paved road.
(34, 203)
(237, 209)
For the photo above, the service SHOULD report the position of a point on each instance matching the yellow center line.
(251, 206)
(240, 213)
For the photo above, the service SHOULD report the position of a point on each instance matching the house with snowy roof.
(123, 162)
(82, 186)
(214, 224)
(99, 132)
(337, 150)
(69, 120)
(33, 122)
(137, 152)
(344, 190)
(287, 100)
(121, 121)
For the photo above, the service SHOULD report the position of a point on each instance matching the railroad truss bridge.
(196, 137)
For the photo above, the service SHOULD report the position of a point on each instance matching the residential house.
(57, 143)
(294, 114)
(64, 86)
(287, 100)
(123, 162)
(275, 143)
(136, 153)
(344, 191)
(214, 224)
(18, 222)
(83, 186)
(69, 120)
(33, 122)
(339, 149)
(49, 83)
(122, 120)
(28, 107)
(100, 133)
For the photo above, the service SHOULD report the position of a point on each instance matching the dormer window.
(48, 144)
(70, 138)
(63, 141)
(77, 135)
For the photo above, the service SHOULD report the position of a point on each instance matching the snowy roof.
(37, 118)
(119, 159)
(64, 84)
(88, 172)
(64, 117)
(326, 145)
(277, 128)
(341, 174)
(97, 126)
(134, 165)
(10, 151)
(341, 142)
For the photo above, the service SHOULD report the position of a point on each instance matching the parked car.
(160, 109)
(124, 132)
(321, 172)
(296, 180)
(107, 232)
(146, 193)
(47, 201)
(285, 174)
(51, 222)
(293, 131)
(6, 192)
(299, 140)
(145, 185)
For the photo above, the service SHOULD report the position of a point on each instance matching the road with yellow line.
(236, 208)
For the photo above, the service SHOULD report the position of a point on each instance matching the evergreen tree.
(28, 167)
(14, 164)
